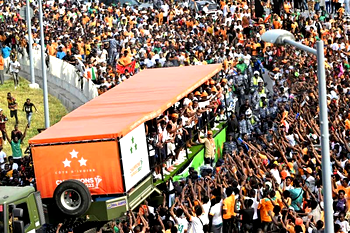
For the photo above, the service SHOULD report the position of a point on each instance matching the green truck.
(22, 210)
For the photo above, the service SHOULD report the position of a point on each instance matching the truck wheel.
(72, 198)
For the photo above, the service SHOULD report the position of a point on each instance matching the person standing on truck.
(3, 120)
(209, 145)
(28, 108)
(12, 105)
(16, 145)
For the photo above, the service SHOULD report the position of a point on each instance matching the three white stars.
(74, 154)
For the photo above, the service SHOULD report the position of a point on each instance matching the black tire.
(69, 190)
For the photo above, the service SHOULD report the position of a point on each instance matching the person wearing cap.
(309, 179)
(209, 146)
(255, 80)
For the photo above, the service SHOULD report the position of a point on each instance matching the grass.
(56, 109)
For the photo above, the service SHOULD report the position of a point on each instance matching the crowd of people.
(269, 178)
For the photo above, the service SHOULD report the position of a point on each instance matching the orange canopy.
(118, 111)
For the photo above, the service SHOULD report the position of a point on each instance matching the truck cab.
(21, 210)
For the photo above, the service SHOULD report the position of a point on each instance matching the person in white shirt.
(14, 70)
(2, 156)
(205, 8)
(309, 179)
(343, 223)
(195, 224)
(215, 213)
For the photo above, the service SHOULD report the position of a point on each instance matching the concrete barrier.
(63, 81)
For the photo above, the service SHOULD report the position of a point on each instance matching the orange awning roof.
(118, 111)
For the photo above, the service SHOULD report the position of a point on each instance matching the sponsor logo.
(136, 168)
(116, 204)
(92, 183)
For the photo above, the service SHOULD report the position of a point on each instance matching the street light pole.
(43, 67)
(326, 163)
(30, 42)
(282, 37)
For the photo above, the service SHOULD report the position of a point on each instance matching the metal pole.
(300, 46)
(326, 164)
(43, 67)
(30, 41)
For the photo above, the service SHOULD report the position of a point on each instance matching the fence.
(60, 75)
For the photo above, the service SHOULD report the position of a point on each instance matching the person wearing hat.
(209, 145)
(256, 79)
(309, 179)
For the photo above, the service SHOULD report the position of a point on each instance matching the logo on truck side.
(74, 154)
(92, 183)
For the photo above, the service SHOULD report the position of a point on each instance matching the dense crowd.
(269, 178)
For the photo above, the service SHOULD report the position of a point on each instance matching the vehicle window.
(25, 218)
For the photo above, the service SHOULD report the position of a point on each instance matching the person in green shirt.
(16, 144)
(241, 66)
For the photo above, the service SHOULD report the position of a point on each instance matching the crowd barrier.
(63, 76)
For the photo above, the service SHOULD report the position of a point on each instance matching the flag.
(259, 10)
(130, 67)
(93, 74)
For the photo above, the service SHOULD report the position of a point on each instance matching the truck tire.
(72, 198)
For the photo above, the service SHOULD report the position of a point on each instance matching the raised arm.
(7, 137)
(25, 132)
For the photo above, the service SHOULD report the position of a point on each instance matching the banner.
(134, 154)
(96, 164)
(130, 68)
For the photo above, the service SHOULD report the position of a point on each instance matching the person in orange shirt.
(276, 23)
(287, 6)
(51, 48)
(2, 65)
(228, 210)
(266, 210)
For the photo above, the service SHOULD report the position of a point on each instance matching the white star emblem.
(82, 161)
(66, 163)
(74, 154)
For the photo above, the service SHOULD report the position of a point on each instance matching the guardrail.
(63, 76)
